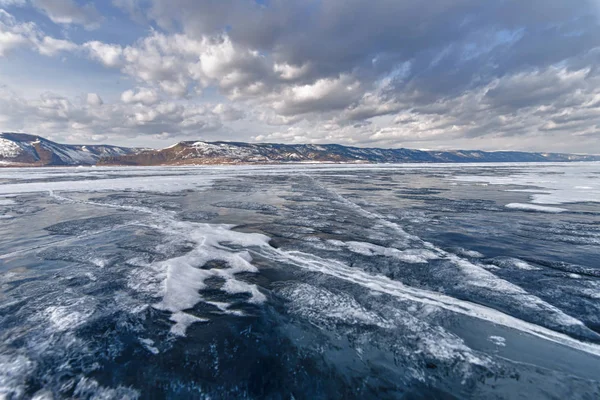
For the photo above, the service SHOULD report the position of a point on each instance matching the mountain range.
(19, 149)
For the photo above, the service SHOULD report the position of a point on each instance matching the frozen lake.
(301, 281)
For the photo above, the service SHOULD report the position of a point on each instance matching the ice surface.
(159, 276)
(182, 322)
(89, 388)
(179, 280)
(156, 184)
(416, 256)
(333, 310)
(556, 184)
(244, 205)
(469, 253)
(498, 340)
(385, 285)
(509, 262)
(149, 345)
(321, 304)
(477, 277)
(67, 318)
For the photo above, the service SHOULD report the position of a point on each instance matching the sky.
(436, 74)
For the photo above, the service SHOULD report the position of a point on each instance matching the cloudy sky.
(436, 74)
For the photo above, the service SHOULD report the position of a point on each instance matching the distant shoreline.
(29, 166)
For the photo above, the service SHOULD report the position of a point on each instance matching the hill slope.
(234, 152)
(19, 149)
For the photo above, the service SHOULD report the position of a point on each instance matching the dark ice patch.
(197, 216)
(248, 205)
(86, 225)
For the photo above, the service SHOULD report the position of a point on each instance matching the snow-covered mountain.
(236, 152)
(19, 149)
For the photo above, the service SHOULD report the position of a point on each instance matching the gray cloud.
(91, 116)
(451, 46)
(387, 72)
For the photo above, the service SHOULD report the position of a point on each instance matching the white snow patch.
(557, 183)
(535, 207)
(415, 256)
(522, 264)
(179, 280)
(149, 345)
(498, 340)
(9, 149)
(221, 150)
(470, 253)
(593, 293)
(182, 322)
(67, 317)
(13, 374)
(164, 184)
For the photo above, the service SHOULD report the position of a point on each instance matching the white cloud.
(322, 95)
(55, 115)
(94, 100)
(291, 72)
(162, 136)
(178, 63)
(49, 46)
(9, 3)
(144, 96)
(228, 112)
(10, 41)
(109, 55)
(14, 34)
(68, 12)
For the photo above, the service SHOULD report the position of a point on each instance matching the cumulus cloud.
(15, 34)
(108, 54)
(143, 95)
(49, 46)
(322, 95)
(54, 115)
(94, 100)
(68, 12)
